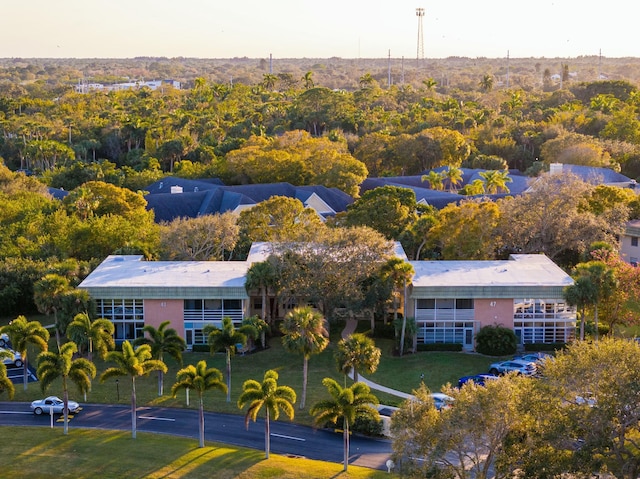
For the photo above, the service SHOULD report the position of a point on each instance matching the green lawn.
(45, 453)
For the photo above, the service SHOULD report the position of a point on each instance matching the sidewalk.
(348, 330)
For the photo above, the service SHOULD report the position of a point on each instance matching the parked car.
(534, 357)
(4, 340)
(52, 402)
(479, 379)
(14, 358)
(527, 368)
(442, 401)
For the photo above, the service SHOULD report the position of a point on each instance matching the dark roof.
(592, 174)
(164, 185)
(210, 197)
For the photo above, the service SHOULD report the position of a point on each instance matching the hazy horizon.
(298, 29)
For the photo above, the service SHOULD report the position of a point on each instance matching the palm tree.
(261, 276)
(48, 295)
(357, 352)
(435, 180)
(22, 333)
(228, 338)
(399, 272)
(345, 404)
(308, 80)
(495, 181)
(260, 326)
(274, 398)
(162, 340)
(134, 363)
(269, 81)
(367, 81)
(304, 333)
(453, 176)
(200, 379)
(430, 83)
(5, 383)
(97, 334)
(486, 83)
(52, 366)
(604, 283)
(581, 294)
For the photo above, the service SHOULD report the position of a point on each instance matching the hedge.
(440, 347)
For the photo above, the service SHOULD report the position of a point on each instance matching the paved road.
(286, 438)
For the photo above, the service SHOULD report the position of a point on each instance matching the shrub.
(201, 348)
(496, 341)
(367, 426)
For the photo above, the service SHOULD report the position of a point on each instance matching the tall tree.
(228, 338)
(399, 273)
(453, 176)
(204, 238)
(355, 353)
(609, 424)
(48, 294)
(581, 294)
(261, 276)
(603, 281)
(52, 366)
(200, 379)
(96, 334)
(304, 333)
(23, 333)
(162, 340)
(134, 363)
(272, 397)
(344, 406)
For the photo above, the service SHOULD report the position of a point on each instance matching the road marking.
(15, 412)
(157, 418)
(288, 437)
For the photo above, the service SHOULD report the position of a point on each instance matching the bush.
(367, 426)
(496, 341)
(457, 347)
(201, 348)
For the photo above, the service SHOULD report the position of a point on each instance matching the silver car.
(11, 358)
(54, 403)
(4, 340)
(526, 368)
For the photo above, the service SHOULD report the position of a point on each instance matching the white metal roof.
(521, 270)
(131, 271)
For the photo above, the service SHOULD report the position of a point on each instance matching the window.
(634, 241)
(426, 304)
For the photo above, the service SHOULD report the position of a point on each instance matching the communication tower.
(420, 54)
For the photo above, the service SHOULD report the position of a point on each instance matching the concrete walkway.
(348, 330)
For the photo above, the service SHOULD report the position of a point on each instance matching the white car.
(45, 406)
(442, 401)
(11, 358)
(526, 368)
(4, 340)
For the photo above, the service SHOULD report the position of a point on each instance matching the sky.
(317, 28)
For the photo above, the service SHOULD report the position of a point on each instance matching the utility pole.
(420, 53)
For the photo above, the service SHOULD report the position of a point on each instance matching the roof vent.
(176, 189)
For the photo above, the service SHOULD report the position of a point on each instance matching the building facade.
(450, 300)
